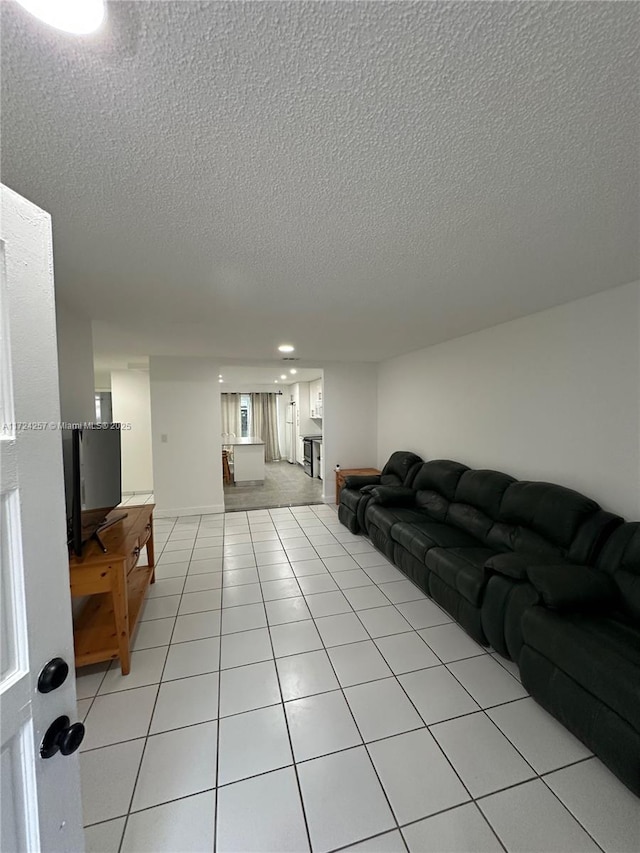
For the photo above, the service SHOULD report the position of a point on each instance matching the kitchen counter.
(248, 459)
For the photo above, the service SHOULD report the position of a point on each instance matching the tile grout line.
(326, 755)
(308, 696)
(543, 779)
(216, 806)
(484, 711)
(286, 722)
(424, 726)
(159, 685)
(355, 722)
(428, 728)
(357, 746)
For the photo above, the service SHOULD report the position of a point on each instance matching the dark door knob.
(61, 737)
(54, 673)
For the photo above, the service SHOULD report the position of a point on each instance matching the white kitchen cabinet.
(315, 399)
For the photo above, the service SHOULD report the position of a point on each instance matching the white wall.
(75, 364)
(185, 407)
(250, 388)
(349, 422)
(553, 396)
(102, 380)
(131, 404)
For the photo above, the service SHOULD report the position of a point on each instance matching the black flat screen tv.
(93, 480)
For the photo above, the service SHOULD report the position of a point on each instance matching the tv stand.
(109, 575)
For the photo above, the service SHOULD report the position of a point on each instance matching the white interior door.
(41, 808)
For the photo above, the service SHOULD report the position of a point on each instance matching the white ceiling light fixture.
(220, 380)
(286, 348)
(284, 376)
(293, 371)
(79, 17)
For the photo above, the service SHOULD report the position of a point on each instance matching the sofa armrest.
(393, 496)
(512, 564)
(356, 481)
(568, 587)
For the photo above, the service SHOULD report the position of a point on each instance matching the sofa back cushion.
(400, 468)
(483, 490)
(526, 541)
(476, 503)
(621, 558)
(435, 485)
(591, 536)
(551, 512)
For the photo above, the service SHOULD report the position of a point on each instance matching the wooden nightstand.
(343, 473)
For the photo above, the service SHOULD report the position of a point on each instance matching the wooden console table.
(343, 473)
(116, 586)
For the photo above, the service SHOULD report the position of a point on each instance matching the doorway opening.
(271, 436)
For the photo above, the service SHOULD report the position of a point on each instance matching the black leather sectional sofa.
(399, 471)
(581, 652)
(538, 571)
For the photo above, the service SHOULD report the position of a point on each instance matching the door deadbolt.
(53, 675)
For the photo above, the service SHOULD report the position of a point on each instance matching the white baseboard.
(214, 509)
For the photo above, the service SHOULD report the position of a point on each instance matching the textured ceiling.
(360, 179)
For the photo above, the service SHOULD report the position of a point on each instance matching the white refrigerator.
(290, 432)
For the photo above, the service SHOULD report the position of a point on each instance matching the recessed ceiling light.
(220, 380)
(286, 348)
(284, 376)
(219, 376)
(276, 381)
(73, 16)
(293, 370)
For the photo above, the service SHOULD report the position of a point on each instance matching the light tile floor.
(285, 484)
(291, 691)
(137, 499)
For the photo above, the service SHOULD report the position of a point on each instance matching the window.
(245, 415)
(103, 407)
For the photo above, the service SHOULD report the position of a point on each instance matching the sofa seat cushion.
(350, 498)
(419, 537)
(384, 517)
(600, 653)
(462, 569)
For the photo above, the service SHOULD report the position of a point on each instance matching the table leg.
(151, 560)
(121, 613)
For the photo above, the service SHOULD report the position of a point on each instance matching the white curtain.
(264, 418)
(230, 408)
